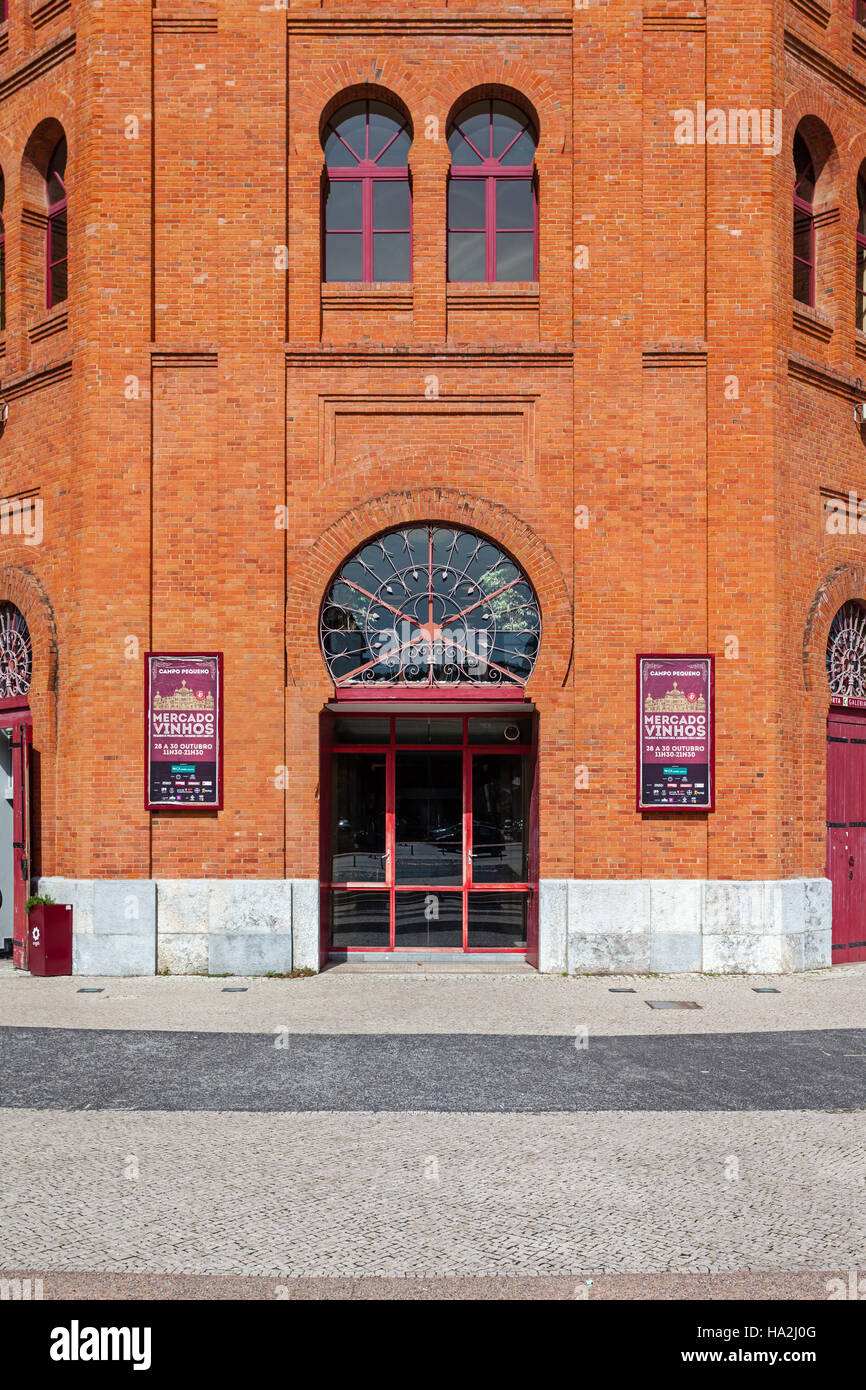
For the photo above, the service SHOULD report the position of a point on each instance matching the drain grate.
(673, 1004)
(622, 991)
(764, 990)
(90, 991)
(234, 989)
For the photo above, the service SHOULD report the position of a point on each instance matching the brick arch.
(22, 588)
(380, 514)
(512, 81)
(853, 158)
(808, 102)
(843, 583)
(336, 83)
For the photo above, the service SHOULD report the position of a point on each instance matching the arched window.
(56, 242)
(430, 605)
(861, 252)
(2, 255)
(804, 223)
(16, 653)
(367, 197)
(846, 652)
(492, 199)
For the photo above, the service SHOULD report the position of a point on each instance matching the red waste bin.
(49, 929)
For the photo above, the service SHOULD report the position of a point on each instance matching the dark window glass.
(360, 919)
(343, 257)
(391, 254)
(429, 818)
(390, 205)
(362, 730)
(500, 819)
(429, 730)
(474, 125)
(514, 256)
(497, 919)
(467, 204)
(343, 206)
(514, 204)
(466, 256)
(428, 919)
(358, 818)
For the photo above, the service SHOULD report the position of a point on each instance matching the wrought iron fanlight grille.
(846, 652)
(430, 605)
(16, 653)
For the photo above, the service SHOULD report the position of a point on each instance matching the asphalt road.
(101, 1069)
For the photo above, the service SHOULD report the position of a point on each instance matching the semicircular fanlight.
(430, 605)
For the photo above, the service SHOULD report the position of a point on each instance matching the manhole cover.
(672, 1004)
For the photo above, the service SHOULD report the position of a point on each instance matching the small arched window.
(846, 652)
(861, 251)
(2, 254)
(492, 198)
(16, 653)
(804, 223)
(367, 196)
(56, 240)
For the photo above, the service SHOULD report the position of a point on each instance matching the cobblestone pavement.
(440, 1003)
(431, 1195)
(436, 1186)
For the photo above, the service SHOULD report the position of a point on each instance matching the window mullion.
(490, 239)
(367, 230)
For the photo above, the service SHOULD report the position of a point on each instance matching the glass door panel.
(428, 918)
(500, 818)
(497, 920)
(358, 839)
(360, 918)
(429, 818)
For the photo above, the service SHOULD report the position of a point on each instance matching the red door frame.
(16, 716)
(528, 889)
(846, 831)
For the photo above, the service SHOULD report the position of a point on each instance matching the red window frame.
(804, 210)
(528, 888)
(56, 210)
(492, 171)
(2, 265)
(860, 283)
(367, 172)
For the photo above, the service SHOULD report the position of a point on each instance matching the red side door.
(22, 738)
(846, 832)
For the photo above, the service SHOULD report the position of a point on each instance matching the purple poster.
(675, 729)
(183, 729)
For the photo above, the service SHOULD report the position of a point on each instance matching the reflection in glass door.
(429, 833)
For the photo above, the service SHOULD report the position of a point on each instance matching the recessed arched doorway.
(846, 781)
(16, 735)
(430, 749)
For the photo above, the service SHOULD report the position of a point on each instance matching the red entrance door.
(846, 832)
(428, 843)
(17, 732)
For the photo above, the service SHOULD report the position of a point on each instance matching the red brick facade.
(200, 377)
